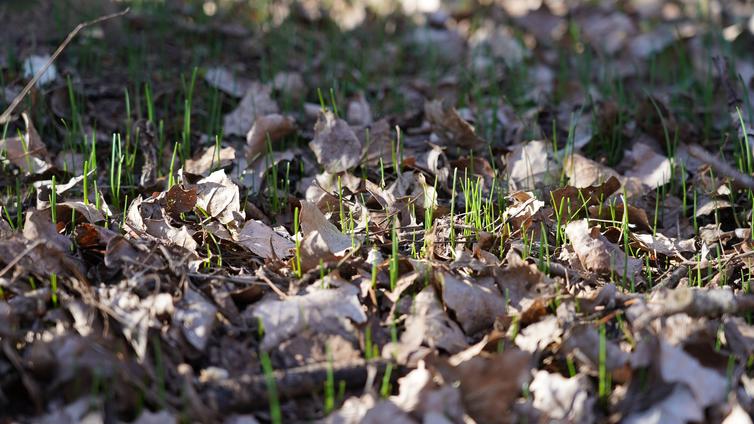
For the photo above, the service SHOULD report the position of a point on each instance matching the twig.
(672, 279)
(15, 260)
(5, 117)
(246, 393)
(739, 179)
(227, 278)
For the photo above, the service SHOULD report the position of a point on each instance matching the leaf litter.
(508, 212)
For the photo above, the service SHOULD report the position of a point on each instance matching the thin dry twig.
(738, 179)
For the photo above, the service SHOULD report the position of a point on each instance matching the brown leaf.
(224, 80)
(263, 241)
(529, 166)
(314, 221)
(567, 200)
(429, 325)
(28, 152)
(209, 159)
(255, 103)
(336, 146)
(490, 384)
(273, 126)
(319, 309)
(196, 317)
(476, 304)
(450, 127)
(179, 200)
(219, 197)
(597, 254)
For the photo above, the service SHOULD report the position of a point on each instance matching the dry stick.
(15, 260)
(739, 179)
(249, 392)
(5, 117)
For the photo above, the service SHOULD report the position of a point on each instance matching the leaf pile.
(511, 212)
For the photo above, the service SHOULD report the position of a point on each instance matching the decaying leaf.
(429, 325)
(27, 151)
(451, 129)
(529, 165)
(320, 309)
(254, 104)
(476, 304)
(219, 197)
(560, 398)
(314, 223)
(268, 127)
(224, 80)
(197, 318)
(264, 241)
(597, 254)
(210, 159)
(336, 146)
(486, 396)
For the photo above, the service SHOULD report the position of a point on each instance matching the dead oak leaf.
(255, 103)
(263, 241)
(270, 127)
(224, 80)
(476, 304)
(219, 197)
(490, 384)
(28, 152)
(335, 144)
(599, 255)
(529, 165)
(429, 325)
(196, 316)
(320, 309)
(449, 127)
(314, 221)
(567, 399)
(208, 159)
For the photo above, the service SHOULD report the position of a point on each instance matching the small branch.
(246, 393)
(739, 179)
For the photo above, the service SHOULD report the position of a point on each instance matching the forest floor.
(266, 211)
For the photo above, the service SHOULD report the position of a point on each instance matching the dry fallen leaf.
(196, 317)
(264, 241)
(268, 127)
(560, 398)
(219, 197)
(27, 152)
(224, 80)
(597, 254)
(450, 127)
(529, 165)
(323, 310)
(313, 221)
(475, 304)
(488, 397)
(209, 159)
(254, 104)
(336, 146)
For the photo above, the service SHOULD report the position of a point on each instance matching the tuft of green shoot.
(54, 288)
(276, 415)
(297, 239)
(54, 202)
(394, 256)
(329, 383)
